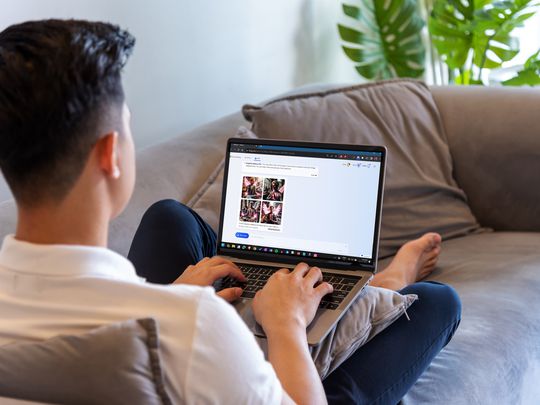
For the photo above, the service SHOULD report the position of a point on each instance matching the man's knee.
(437, 300)
(167, 212)
(443, 302)
(448, 299)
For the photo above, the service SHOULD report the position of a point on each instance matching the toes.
(435, 252)
(427, 269)
(433, 241)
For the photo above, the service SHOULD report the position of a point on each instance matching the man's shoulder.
(182, 297)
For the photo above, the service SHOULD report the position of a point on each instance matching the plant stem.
(484, 57)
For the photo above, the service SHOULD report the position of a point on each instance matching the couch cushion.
(494, 357)
(420, 193)
(114, 364)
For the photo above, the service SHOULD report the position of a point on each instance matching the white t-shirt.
(208, 353)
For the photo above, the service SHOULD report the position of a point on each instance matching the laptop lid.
(289, 201)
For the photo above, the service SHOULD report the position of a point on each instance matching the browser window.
(301, 201)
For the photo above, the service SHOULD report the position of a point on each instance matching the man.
(67, 154)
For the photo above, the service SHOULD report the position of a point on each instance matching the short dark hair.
(59, 81)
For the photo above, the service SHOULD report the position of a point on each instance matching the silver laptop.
(285, 202)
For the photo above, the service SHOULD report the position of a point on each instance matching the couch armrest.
(494, 138)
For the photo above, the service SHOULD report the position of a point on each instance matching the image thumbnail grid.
(262, 200)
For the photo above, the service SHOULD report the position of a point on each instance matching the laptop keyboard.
(257, 276)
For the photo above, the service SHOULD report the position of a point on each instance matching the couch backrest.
(494, 139)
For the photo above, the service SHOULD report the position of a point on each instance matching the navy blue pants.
(171, 237)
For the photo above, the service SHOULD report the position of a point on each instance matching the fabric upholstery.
(12, 401)
(494, 138)
(420, 193)
(114, 364)
(8, 218)
(494, 358)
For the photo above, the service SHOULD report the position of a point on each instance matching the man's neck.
(67, 223)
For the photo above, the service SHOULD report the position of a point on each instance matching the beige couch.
(494, 140)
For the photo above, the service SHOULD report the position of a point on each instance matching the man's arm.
(284, 308)
(289, 355)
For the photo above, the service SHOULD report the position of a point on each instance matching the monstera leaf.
(529, 76)
(472, 35)
(451, 25)
(493, 43)
(386, 41)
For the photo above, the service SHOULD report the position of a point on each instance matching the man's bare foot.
(414, 261)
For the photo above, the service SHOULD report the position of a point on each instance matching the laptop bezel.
(287, 259)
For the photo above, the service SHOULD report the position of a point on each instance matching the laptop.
(284, 202)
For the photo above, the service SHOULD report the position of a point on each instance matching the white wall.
(197, 60)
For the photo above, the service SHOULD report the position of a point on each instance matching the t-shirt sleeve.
(227, 366)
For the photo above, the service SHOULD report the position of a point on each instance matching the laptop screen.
(301, 200)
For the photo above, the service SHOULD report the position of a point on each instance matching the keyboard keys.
(257, 276)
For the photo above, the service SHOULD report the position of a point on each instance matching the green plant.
(529, 76)
(387, 41)
(474, 35)
(470, 36)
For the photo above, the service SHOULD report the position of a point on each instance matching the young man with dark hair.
(67, 154)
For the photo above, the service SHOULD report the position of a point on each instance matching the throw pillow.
(114, 364)
(372, 312)
(420, 193)
(369, 315)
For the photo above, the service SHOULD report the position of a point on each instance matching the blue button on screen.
(242, 235)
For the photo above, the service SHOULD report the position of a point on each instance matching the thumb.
(230, 294)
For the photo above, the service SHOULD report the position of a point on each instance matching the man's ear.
(107, 147)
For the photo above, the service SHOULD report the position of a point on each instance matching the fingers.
(300, 270)
(313, 276)
(220, 260)
(283, 271)
(220, 267)
(227, 269)
(215, 260)
(230, 294)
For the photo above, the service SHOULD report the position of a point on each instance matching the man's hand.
(207, 271)
(290, 299)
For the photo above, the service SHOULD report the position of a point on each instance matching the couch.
(493, 137)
